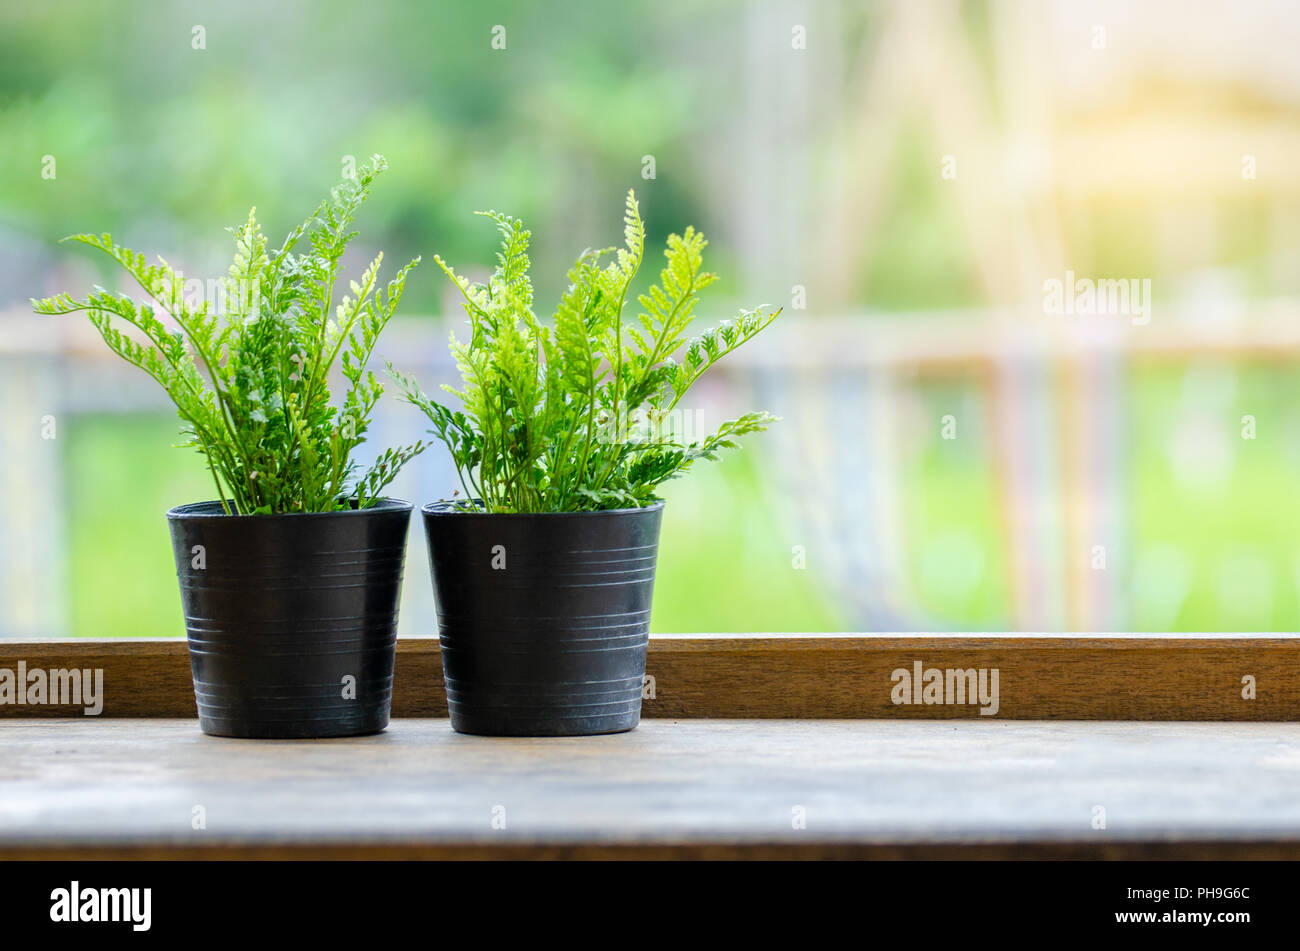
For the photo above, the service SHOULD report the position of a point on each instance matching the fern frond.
(261, 411)
(547, 412)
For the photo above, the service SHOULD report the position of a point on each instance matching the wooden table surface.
(688, 788)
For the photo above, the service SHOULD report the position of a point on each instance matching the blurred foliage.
(956, 553)
(164, 145)
(121, 476)
(1213, 509)
(927, 260)
(721, 534)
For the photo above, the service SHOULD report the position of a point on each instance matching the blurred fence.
(1055, 419)
(1045, 419)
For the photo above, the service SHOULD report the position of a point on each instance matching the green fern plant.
(578, 413)
(251, 385)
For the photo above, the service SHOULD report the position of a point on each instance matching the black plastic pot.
(281, 609)
(543, 619)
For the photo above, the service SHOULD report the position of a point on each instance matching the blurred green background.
(901, 177)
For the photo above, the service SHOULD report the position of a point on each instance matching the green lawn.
(122, 476)
(1210, 522)
(724, 565)
(1215, 517)
(954, 549)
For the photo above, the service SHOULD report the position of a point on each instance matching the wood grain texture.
(691, 789)
(1102, 677)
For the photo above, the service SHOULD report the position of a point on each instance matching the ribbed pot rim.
(445, 508)
(213, 509)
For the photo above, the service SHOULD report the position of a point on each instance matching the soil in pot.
(543, 618)
(291, 619)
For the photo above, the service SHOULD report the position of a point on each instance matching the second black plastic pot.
(292, 619)
(543, 618)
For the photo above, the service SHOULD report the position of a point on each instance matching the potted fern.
(544, 568)
(290, 578)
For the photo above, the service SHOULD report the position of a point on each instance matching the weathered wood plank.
(1131, 677)
(694, 788)
(735, 851)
